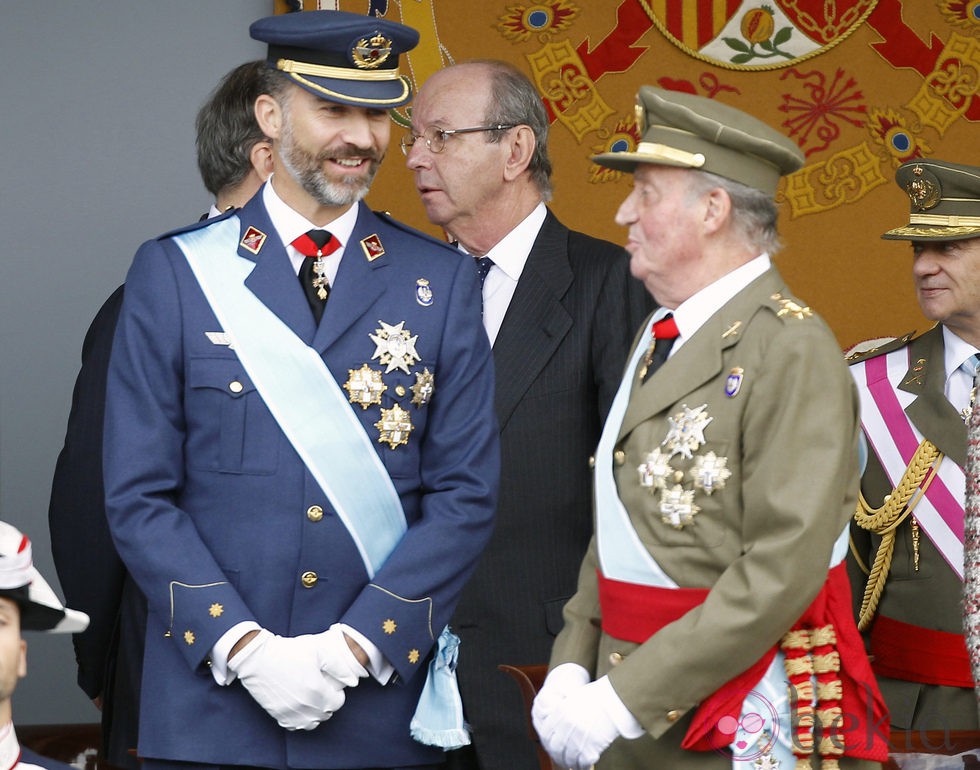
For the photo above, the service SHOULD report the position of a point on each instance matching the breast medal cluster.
(395, 351)
(677, 489)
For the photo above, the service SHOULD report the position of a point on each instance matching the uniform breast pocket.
(229, 428)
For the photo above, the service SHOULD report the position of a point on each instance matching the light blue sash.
(301, 393)
(622, 556)
(313, 412)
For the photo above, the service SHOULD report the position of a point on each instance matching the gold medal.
(364, 386)
(655, 471)
(710, 472)
(394, 426)
(677, 507)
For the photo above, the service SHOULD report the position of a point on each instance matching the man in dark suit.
(301, 458)
(560, 309)
(234, 158)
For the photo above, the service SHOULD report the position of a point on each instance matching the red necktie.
(314, 245)
(664, 333)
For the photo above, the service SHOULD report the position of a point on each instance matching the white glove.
(584, 724)
(558, 685)
(336, 659)
(283, 675)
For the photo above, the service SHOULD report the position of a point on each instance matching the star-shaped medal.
(364, 386)
(423, 388)
(655, 470)
(394, 426)
(395, 347)
(710, 472)
(677, 506)
(686, 432)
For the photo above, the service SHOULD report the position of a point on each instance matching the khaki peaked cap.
(688, 131)
(944, 200)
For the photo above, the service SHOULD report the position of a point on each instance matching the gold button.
(678, 477)
(309, 579)
(235, 386)
(314, 513)
(592, 461)
(619, 457)
(615, 658)
(673, 715)
(400, 390)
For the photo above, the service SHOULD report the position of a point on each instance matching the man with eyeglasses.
(560, 309)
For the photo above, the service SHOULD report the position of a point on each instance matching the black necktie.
(664, 333)
(314, 245)
(483, 265)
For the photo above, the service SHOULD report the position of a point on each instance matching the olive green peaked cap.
(944, 201)
(687, 131)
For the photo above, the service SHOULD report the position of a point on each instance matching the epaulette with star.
(879, 346)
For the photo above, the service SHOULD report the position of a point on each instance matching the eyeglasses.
(435, 138)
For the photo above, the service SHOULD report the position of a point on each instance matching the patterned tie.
(664, 334)
(970, 367)
(315, 245)
(483, 265)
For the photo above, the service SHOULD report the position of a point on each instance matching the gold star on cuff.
(389, 626)
(413, 656)
(189, 637)
(215, 610)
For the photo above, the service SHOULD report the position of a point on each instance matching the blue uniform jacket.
(219, 521)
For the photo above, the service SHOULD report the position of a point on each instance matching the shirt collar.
(290, 224)
(692, 314)
(9, 747)
(511, 252)
(956, 352)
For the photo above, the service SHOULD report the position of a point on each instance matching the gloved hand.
(583, 725)
(283, 675)
(336, 659)
(558, 685)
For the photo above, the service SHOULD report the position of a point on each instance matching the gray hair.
(514, 100)
(754, 213)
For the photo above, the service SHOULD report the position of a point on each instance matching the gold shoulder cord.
(883, 521)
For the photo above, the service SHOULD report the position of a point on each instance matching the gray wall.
(97, 105)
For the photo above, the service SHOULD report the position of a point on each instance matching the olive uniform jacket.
(761, 544)
(929, 596)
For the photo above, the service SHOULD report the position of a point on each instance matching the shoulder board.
(388, 219)
(788, 308)
(197, 225)
(867, 349)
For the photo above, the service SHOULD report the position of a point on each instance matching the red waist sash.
(915, 654)
(634, 613)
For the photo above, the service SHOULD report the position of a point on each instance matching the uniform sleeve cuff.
(378, 666)
(616, 710)
(219, 653)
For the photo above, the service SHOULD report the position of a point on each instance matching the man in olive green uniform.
(915, 396)
(724, 481)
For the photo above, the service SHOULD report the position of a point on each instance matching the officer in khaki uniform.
(724, 481)
(907, 557)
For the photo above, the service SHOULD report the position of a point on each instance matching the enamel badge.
(364, 386)
(423, 293)
(423, 388)
(370, 53)
(253, 239)
(372, 247)
(395, 347)
(394, 426)
(686, 432)
(734, 382)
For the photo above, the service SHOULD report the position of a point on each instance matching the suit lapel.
(700, 360)
(536, 322)
(931, 412)
(357, 286)
(273, 280)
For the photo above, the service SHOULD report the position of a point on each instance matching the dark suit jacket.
(91, 573)
(558, 357)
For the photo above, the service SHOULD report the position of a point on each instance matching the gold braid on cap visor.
(663, 152)
(945, 221)
(341, 73)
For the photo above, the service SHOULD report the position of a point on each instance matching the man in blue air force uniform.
(301, 501)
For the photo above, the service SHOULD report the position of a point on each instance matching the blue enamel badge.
(734, 382)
